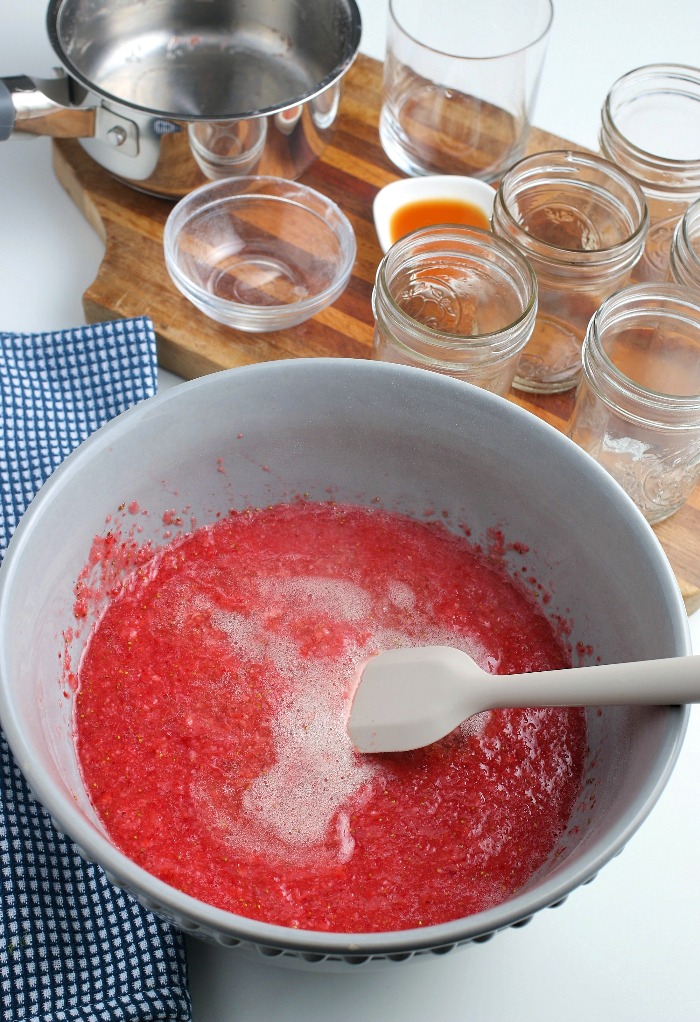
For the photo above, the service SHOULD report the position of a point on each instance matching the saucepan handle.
(33, 106)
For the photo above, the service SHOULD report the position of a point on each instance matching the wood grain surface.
(132, 279)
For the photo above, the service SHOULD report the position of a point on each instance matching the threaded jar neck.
(429, 286)
(685, 249)
(650, 127)
(570, 211)
(663, 314)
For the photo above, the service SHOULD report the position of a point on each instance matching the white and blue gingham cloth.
(73, 948)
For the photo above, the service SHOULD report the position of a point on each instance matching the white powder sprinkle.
(315, 774)
(306, 796)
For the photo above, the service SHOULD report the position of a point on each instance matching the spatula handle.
(651, 682)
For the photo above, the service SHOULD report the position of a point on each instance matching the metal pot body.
(169, 94)
(169, 157)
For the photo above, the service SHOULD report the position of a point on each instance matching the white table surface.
(625, 947)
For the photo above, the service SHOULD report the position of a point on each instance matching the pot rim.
(337, 72)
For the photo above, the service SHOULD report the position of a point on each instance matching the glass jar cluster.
(589, 278)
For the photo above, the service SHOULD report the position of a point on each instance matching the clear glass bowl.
(259, 253)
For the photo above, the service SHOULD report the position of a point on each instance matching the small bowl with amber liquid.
(415, 202)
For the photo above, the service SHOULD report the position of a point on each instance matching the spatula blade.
(408, 698)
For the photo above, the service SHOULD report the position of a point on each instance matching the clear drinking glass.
(650, 127)
(460, 82)
(637, 409)
(455, 300)
(228, 148)
(581, 222)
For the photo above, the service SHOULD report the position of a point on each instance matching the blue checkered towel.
(73, 948)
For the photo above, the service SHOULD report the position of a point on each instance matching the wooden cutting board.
(132, 279)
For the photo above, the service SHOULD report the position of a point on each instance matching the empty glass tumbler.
(581, 222)
(637, 408)
(455, 300)
(460, 82)
(650, 127)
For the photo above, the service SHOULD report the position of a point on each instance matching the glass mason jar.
(650, 127)
(637, 409)
(581, 222)
(455, 300)
(684, 265)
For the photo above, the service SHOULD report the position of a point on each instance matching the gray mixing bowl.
(413, 439)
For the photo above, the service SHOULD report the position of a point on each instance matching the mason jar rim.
(555, 255)
(651, 73)
(443, 338)
(685, 257)
(646, 402)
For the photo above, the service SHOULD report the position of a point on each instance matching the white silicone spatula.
(408, 698)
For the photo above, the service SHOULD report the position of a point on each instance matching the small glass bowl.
(259, 253)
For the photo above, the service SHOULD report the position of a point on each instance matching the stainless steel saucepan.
(170, 93)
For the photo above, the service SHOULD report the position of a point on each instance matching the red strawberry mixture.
(211, 723)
